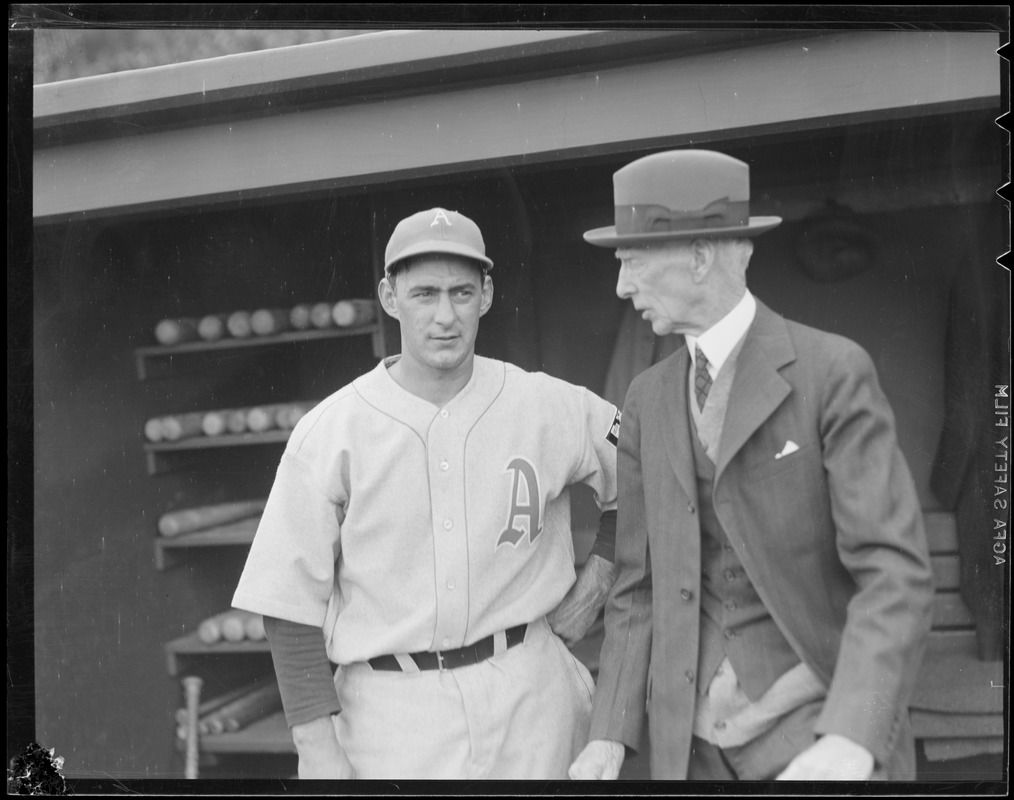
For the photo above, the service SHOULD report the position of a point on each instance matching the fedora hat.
(681, 194)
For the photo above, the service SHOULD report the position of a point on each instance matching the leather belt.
(452, 659)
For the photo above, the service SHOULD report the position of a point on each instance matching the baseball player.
(418, 536)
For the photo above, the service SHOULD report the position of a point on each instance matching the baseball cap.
(436, 230)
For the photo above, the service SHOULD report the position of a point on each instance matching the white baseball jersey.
(398, 526)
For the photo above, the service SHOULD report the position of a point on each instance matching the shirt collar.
(721, 338)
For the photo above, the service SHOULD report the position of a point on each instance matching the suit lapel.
(757, 388)
(675, 424)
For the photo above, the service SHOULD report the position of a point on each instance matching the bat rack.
(164, 457)
(231, 535)
(159, 360)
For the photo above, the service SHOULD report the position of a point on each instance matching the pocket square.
(790, 448)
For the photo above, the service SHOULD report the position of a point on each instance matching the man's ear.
(385, 291)
(487, 295)
(704, 253)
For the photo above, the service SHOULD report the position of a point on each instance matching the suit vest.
(734, 622)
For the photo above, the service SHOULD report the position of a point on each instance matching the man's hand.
(320, 755)
(600, 760)
(578, 610)
(830, 758)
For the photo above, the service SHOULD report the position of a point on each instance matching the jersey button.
(445, 413)
(686, 594)
(448, 524)
(445, 643)
(444, 466)
(450, 585)
(720, 725)
(689, 675)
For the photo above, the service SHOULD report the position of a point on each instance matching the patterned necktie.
(702, 378)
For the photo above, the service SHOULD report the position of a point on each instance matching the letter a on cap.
(440, 215)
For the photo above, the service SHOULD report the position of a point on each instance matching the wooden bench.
(957, 706)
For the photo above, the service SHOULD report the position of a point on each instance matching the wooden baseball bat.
(254, 628)
(175, 331)
(347, 313)
(267, 321)
(216, 703)
(212, 327)
(234, 626)
(213, 423)
(182, 426)
(173, 523)
(192, 692)
(235, 421)
(262, 418)
(238, 324)
(320, 315)
(299, 317)
(252, 706)
(153, 429)
(290, 414)
(212, 629)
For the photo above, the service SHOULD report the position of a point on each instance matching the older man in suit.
(775, 588)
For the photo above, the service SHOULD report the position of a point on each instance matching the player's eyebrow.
(422, 287)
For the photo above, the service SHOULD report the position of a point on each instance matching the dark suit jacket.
(831, 536)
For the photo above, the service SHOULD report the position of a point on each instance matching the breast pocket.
(772, 464)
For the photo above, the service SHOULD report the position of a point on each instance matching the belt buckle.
(440, 662)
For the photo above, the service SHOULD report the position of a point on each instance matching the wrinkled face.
(438, 299)
(659, 282)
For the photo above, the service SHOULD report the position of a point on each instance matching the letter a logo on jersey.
(525, 501)
(440, 216)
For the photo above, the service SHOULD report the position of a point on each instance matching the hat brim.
(607, 237)
(440, 246)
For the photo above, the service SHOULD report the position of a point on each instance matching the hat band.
(721, 213)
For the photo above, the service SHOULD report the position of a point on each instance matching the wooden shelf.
(157, 452)
(191, 645)
(268, 735)
(225, 440)
(147, 357)
(236, 533)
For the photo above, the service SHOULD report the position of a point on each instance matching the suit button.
(727, 548)
(730, 574)
(689, 675)
(730, 605)
(686, 594)
(720, 725)
(691, 508)
(729, 634)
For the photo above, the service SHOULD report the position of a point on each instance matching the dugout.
(267, 179)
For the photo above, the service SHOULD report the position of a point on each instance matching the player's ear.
(385, 291)
(487, 295)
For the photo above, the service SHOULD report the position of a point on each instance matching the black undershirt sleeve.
(302, 669)
(605, 539)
